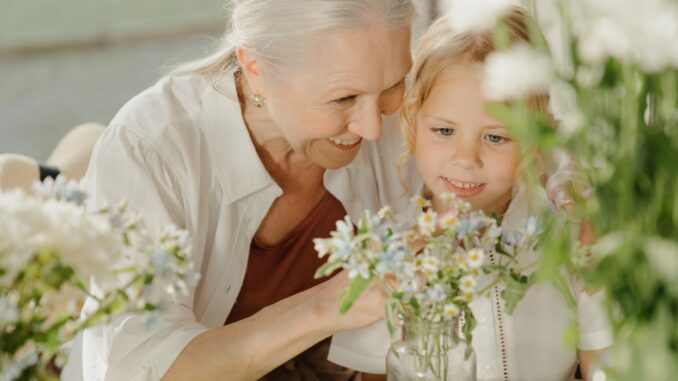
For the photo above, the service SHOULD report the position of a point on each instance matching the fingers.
(587, 234)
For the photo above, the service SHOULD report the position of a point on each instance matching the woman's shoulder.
(172, 115)
(173, 101)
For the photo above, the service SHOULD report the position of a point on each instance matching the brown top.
(274, 273)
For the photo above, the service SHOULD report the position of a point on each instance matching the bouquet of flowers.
(431, 270)
(50, 249)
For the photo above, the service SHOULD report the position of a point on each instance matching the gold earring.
(257, 100)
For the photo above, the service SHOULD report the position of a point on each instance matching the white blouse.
(526, 345)
(180, 154)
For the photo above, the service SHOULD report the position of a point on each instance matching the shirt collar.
(238, 166)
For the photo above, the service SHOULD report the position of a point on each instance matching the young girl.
(460, 148)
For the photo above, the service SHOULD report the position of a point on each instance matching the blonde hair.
(441, 47)
(282, 32)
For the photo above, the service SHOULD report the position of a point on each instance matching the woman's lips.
(463, 189)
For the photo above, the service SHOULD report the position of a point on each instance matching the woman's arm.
(252, 347)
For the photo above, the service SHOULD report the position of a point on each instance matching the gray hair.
(280, 32)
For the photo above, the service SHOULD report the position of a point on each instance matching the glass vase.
(429, 351)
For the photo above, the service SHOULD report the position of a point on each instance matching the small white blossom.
(450, 310)
(468, 296)
(460, 261)
(421, 202)
(345, 227)
(447, 220)
(385, 212)
(358, 269)
(437, 293)
(427, 222)
(321, 246)
(467, 283)
(430, 265)
(475, 258)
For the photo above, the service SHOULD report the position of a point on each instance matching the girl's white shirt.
(180, 153)
(526, 345)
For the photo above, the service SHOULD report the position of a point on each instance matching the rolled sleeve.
(362, 349)
(125, 349)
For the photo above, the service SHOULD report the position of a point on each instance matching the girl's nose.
(467, 155)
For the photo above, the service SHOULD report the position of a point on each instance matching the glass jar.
(429, 351)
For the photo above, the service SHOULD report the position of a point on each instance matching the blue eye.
(496, 139)
(444, 131)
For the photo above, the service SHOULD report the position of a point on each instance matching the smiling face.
(337, 99)
(460, 148)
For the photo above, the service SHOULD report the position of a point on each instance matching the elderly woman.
(256, 150)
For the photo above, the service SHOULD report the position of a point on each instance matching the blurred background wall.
(66, 62)
(63, 63)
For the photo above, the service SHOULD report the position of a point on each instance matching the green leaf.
(467, 329)
(326, 269)
(391, 315)
(516, 287)
(353, 292)
(415, 306)
(561, 285)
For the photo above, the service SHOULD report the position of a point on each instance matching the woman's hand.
(367, 309)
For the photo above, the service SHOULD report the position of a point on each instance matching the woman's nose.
(368, 125)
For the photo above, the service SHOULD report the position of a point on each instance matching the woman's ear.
(251, 70)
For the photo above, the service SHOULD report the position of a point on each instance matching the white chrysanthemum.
(467, 283)
(475, 258)
(517, 73)
(427, 222)
(472, 15)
